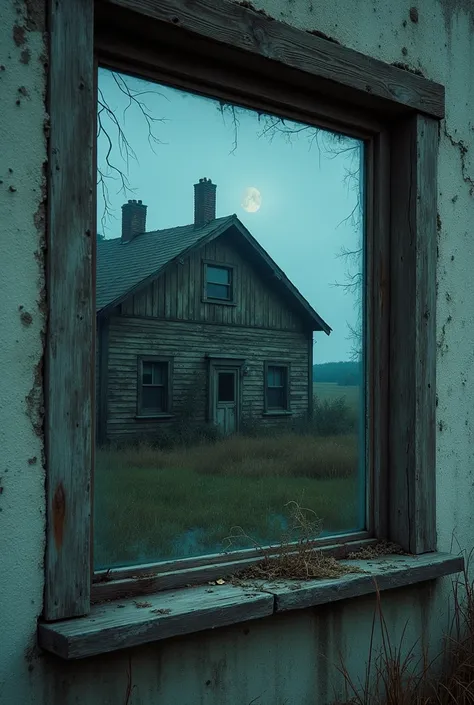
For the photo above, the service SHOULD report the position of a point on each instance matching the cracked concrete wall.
(289, 659)
(22, 320)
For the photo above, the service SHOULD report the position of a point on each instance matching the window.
(218, 283)
(391, 119)
(153, 391)
(226, 387)
(277, 394)
(284, 283)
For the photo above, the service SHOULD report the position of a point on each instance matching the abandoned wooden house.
(197, 324)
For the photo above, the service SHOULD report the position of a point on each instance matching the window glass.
(226, 389)
(147, 376)
(152, 399)
(153, 382)
(159, 371)
(218, 291)
(263, 407)
(276, 376)
(276, 398)
(277, 387)
(218, 275)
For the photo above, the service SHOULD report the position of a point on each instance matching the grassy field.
(153, 504)
(328, 391)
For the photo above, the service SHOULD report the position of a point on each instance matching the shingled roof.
(124, 268)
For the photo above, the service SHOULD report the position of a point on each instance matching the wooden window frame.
(233, 276)
(237, 54)
(270, 410)
(168, 361)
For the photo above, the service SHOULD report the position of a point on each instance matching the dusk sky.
(302, 221)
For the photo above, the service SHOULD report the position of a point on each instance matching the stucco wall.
(280, 660)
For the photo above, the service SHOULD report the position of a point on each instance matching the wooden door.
(226, 396)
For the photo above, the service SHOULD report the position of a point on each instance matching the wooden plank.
(69, 361)
(167, 575)
(103, 381)
(274, 46)
(127, 623)
(113, 626)
(378, 322)
(412, 402)
(384, 573)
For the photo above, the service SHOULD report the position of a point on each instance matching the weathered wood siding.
(177, 294)
(188, 344)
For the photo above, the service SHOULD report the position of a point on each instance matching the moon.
(251, 200)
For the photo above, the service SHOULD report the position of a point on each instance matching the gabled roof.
(125, 268)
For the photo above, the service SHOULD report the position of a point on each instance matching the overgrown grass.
(329, 391)
(394, 676)
(153, 504)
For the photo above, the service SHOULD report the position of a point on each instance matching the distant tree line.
(345, 374)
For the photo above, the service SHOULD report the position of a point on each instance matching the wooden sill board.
(126, 623)
(381, 573)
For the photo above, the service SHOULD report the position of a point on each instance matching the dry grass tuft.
(457, 685)
(293, 559)
(308, 565)
(381, 548)
(394, 676)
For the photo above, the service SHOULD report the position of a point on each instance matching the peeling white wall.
(22, 504)
(288, 659)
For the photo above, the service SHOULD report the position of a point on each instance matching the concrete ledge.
(126, 623)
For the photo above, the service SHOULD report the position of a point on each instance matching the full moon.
(252, 199)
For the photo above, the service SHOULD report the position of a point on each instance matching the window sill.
(220, 302)
(278, 412)
(127, 623)
(152, 417)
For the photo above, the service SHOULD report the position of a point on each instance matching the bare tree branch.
(231, 110)
(333, 145)
(119, 151)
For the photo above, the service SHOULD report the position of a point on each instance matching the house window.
(153, 387)
(218, 283)
(388, 119)
(277, 388)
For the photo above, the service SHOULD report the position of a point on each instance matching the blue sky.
(306, 200)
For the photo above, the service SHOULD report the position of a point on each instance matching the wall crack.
(463, 150)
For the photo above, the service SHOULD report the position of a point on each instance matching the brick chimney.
(204, 202)
(133, 220)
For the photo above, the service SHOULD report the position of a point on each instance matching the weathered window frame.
(275, 410)
(237, 54)
(167, 412)
(233, 276)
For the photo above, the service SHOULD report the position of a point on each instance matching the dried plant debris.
(296, 557)
(299, 565)
(377, 550)
(142, 605)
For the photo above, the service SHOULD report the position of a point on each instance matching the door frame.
(216, 362)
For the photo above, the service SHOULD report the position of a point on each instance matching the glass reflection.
(230, 326)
